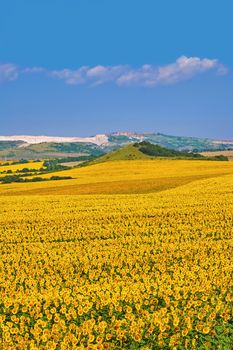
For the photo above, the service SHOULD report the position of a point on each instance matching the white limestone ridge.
(29, 139)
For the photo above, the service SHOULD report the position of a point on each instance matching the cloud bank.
(184, 68)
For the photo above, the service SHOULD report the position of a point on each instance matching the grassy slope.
(128, 152)
(134, 176)
(143, 150)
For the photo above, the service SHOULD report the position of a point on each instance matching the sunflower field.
(118, 271)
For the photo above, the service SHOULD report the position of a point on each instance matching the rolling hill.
(32, 147)
(147, 150)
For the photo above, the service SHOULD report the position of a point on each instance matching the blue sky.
(81, 67)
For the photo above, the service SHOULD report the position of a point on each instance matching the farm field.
(147, 266)
(228, 154)
(123, 177)
(18, 167)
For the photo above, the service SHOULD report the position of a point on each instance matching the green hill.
(125, 153)
(11, 150)
(147, 150)
(4, 145)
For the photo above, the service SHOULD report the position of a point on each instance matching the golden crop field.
(15, 167)
(149, 270)
(123, 177)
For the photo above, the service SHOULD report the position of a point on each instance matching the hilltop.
(129, 152)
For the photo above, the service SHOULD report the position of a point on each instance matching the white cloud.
(103, 74)
(97, 71)
(8, 72)
(89, 75)
(71, 77)
(183, 68)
